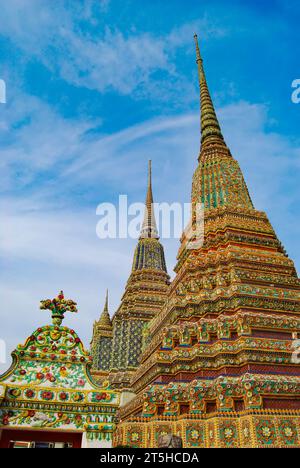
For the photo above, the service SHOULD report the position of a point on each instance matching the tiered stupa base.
(247, 429)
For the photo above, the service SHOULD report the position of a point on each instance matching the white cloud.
(271, 162)
(106, 59)
(34, 140)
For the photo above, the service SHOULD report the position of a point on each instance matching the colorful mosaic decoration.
(102, 340)
(217, 365)
(49, 386)
(117, 345)
(58, 306)
(219, 431)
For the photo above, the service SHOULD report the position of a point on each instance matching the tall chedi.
(218, 366)
(144, 296)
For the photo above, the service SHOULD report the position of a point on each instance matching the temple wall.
(96, 444)
(92, 441)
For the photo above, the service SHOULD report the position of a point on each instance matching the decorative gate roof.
(49, 385)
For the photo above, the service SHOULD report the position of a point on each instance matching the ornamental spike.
(210, 127)
(149, 229)
(105, 320)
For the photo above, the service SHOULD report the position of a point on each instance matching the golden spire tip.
(198, 54)
(149, 173)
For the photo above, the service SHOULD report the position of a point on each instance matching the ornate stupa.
(218, 367)
(119, 342)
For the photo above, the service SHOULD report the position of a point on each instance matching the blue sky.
(95, 89)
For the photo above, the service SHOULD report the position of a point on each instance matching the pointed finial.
(106, 301)
(58, 307)
(149, 174)
(198, 54)
(210, 127)
(105, 317)
(149, 229)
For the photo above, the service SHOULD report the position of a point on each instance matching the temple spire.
(105, 318)
(149, 229)
(210, 127)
